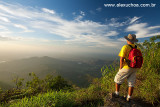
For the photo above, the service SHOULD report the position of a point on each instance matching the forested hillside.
(57, 92)
(77, 72)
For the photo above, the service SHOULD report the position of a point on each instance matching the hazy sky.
(49, 27)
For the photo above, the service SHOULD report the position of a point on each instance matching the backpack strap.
(132, 47)
(136, 46)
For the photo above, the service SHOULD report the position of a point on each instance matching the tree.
(57, 83)
(18, 81)
(151, 51)
(36, 84)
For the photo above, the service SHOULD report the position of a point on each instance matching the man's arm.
(121, 62)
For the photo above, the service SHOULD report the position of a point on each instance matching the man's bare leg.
(130, 92)
(117, 87)
(116, 94)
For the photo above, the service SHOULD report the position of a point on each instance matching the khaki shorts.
(122, 74)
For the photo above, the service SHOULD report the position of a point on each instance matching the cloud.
(134, 19)
(4, 31)
(114, 22)
(111, 33)
(4, 38)
(4, 19)
(76, 32)
(153, 27)
(23, 27)
(86, 31)
(80, 17)
(142, 30)
(99, 9)
(80, 32)
(3, 27)
(74, 13)
(82, 13)
(92, 12)
(7, 10)
(48, 11)
(11, 10)
(122, 39)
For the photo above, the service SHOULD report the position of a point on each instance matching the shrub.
(50, 99)
(58, 83)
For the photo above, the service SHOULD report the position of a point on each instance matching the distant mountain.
(77, 72)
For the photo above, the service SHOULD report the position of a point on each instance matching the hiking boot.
(115, 95)
(124, 97)
(128, 99)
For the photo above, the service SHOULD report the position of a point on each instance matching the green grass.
(85, 97)
(50, 99)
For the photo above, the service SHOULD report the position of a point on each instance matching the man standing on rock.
(127, 68)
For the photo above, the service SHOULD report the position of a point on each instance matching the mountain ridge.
(78, 72)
